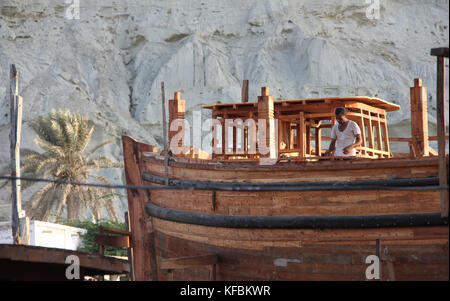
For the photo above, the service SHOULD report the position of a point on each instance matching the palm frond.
(64, 137)
(99, 147)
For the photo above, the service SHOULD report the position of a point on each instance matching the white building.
(46, 234)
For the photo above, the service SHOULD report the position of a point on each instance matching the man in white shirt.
(345, 136)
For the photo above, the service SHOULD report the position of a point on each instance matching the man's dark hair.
(340, 111)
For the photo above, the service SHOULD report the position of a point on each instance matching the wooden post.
(419, 118)
(266, 113)
(378, 126)
(378, 252)
(280, 134)
(224, 133)
(129, 249)
(301, 135)
(166, 155)
(291, 136)
(363, 132)
(19, 221)
(142, 234)
(370, 132)
(441, 53)
(215, 150)
(318, 140)
(385, 135)
(244, 92)
(308, 140)
(177, 110)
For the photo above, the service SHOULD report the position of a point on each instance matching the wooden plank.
(144, 260)
(435, 138)
(19, 221)
(96, 264)
(419, 118)
(379, 139)
(177, 110)
(115, 231)
(164, 134)
(244, 92)
(266, 114)
(360, 122)
(129, 250)
(308, 139)
(318, 141)
(440, 111)
(301, 135)
(385, 137)
(440, 51)
(370, 132)
(113, 241)
(188, 262)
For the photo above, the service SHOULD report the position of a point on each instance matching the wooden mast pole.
(419, 118)
(19, 221)
(441, 54)
(166, 155)
(244, 92)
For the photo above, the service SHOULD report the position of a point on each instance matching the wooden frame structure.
(303, 116)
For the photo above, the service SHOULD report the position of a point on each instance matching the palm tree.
(64, 137)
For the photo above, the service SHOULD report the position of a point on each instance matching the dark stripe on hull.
(392, 184)
(296, 222)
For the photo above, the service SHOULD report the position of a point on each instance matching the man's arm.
(331, 148)
(357, 143)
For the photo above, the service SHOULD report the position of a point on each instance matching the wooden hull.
(407, 252)
(333, 261)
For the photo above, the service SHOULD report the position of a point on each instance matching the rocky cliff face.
(109, 63)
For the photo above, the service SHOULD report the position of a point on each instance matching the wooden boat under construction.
(302, 217)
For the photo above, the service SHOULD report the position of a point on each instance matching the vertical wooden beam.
(246, 140)
(252, 131)
(142, 234)
(280, 133)
(212, 272)
(266, 113)
(363, 132)
(215, 149)
(370, 132)
(177, 110)
(378, 253)
(318, 141)
(129, 249)
(419, 118)
(291, 136)
(20, 223)
(440, 108)
(244, 92)
(225, 135)
(385, 135)
(301, 135)
(308, 140)
(234, 140)
(379, 141)
(164, 134)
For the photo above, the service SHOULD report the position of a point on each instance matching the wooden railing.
(411, 153)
